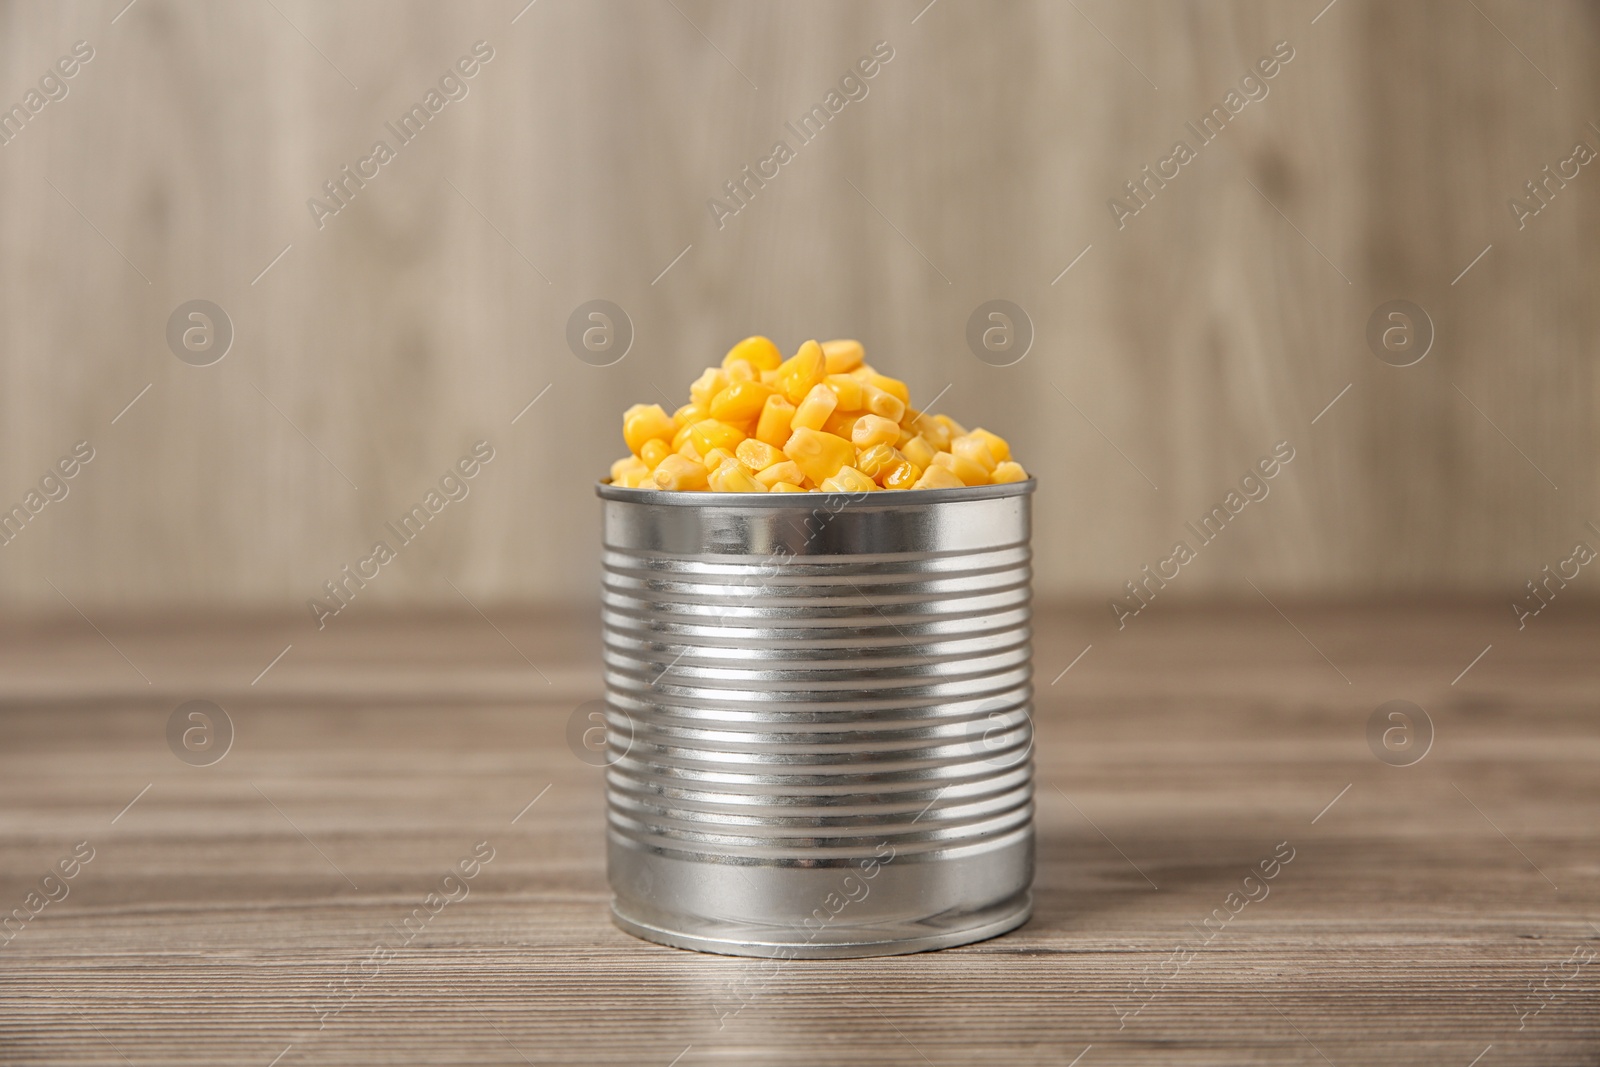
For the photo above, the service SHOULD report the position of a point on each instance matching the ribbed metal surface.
(811, 685)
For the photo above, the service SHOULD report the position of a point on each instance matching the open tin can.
(818, 718)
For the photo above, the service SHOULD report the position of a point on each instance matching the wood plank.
(1172, 758)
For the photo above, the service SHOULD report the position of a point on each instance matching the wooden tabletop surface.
(1442, 913)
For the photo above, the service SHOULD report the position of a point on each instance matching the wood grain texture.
(427, 313)
(1173, 757)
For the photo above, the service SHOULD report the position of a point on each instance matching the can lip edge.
(804, 501)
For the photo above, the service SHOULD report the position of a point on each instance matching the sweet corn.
(677, 472)
(876, 460)
(996, 443)
(759, 352)
(847, 389)
(843, 356)
(842, 424)
(819, 454)
(975, 448)
(1009, 471)
(821, 420)
(708, 385)
(882, 402)
(933, 478)
(774, 425)
(935, 433)
(785, 471)
(740, 401)
(654, 451)
(645, 422)
(689, 413)
(893, 386)
(714, 434)
(814, 410)
(800, 372)
(970, 472)
(733, 478)
(919, 451)
(872, 430)
(758, 455)
(848, 480)
(628, 465)
(902, 475)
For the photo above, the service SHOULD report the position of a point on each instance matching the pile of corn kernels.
(821, 420)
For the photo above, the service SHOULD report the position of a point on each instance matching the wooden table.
(230, 912)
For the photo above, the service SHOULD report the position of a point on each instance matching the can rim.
(808, 500)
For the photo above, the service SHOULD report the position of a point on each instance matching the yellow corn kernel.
(936, 433)
(975, 448)
(785, 487)
(1009, 471)
(848, 480)
(714, 434)
(970, 472)
(893, 386)
(773, 426)
(708, 385)
(919, 451)
(876, 460)
(902, 475)
(872, 430)
(814, 410)
(625, 466)
(740, 401)
(687, 414)
(717, 457)
(847, 389)
(937, 477)
(784, 471)
(687, 450)
(654, 451)
(955, 428)
(645, 422)
(740, 370)
(819, 454)
(843, 356)
(759, 352)
(882, 402)
(842, 424)
(758, 455)
(800, 372)
(770, 377)
(733, 478)
(996, 443)
(904, 438)
(678, 472)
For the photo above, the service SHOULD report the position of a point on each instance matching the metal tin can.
(818, 718)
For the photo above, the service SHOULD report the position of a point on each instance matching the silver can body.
(819, 718)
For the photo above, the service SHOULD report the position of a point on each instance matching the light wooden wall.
(426, 314)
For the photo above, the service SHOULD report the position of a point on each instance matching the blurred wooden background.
(426, 314)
